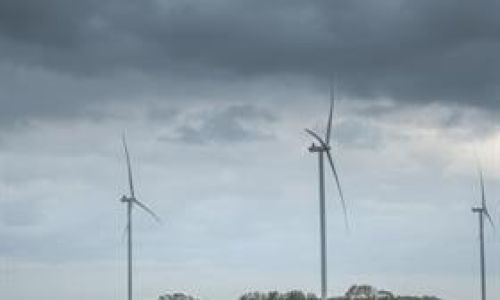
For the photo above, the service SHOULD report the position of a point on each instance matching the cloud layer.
(409, 51)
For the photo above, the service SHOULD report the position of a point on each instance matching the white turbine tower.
(131, 201)
(482, 211)
(321, 149)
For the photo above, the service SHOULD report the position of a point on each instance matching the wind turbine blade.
(339, 188)
(148, 210)
(481, 183)
(330, 116)
(316, 136)
(483, 198)
(129, 168)
(487, 214)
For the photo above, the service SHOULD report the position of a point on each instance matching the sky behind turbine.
(214, 96)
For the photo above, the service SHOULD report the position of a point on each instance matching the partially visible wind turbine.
(321, 149)
(482, 211)
(131, 201)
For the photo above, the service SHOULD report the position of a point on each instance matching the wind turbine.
(131, 201)
(324, 148)
(482, 211)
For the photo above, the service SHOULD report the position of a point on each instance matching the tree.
(273, 295)
(295, 295)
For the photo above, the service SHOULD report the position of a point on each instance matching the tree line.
(300, 295)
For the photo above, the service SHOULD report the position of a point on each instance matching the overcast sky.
(214, 97)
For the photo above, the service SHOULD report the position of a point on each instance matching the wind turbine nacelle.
(125, 199)
(318, 148)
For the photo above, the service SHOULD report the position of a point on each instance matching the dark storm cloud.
(55, 23)
(423, 50)
(232, 124)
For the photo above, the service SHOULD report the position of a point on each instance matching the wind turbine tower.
(482, 211)
(131, 201)
(321, 149)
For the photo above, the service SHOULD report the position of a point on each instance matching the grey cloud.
(28, 94)
(358, 134)
(406, 50)
(20, 213)
(237, 123)
(53, 23)
(161, 113)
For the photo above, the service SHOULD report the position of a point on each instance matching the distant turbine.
(324, 147)
(482, 211)
(131, 200)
